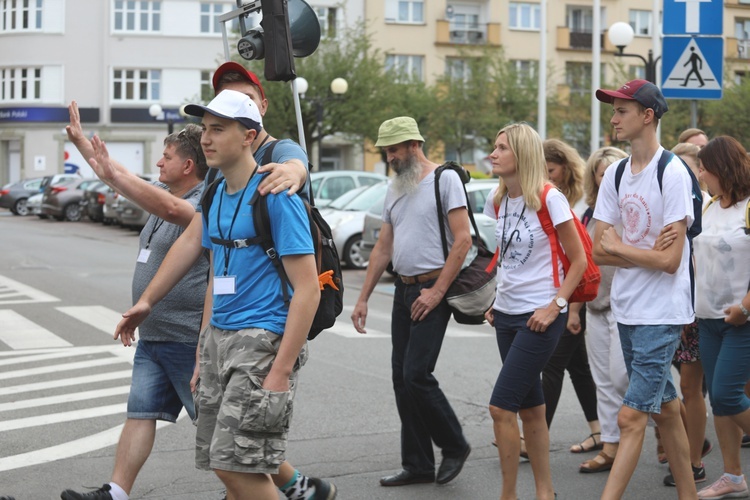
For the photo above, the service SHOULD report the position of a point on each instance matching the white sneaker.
(724, 488)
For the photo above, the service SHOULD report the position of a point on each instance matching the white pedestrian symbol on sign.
(692, 71)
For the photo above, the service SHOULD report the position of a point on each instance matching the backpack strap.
(493, 262)
(549, 229)
(618, 173)
(464, 176)
(587, 215)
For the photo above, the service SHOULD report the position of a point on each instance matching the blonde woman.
(602, 337)
(529, 313)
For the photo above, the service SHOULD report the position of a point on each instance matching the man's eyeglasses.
(185, 138)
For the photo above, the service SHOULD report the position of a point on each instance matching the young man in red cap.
(651, 290)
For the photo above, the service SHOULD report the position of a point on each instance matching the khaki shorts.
(241, 426)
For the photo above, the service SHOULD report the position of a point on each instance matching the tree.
(731, 114)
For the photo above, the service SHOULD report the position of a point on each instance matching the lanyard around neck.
(227, 250)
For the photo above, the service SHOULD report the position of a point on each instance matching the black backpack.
(697, 226)
(326, 256)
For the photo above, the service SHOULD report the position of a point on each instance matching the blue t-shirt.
(258, 301)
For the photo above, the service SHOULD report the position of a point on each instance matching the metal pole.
(693, 113)
(298, 113)
(542, 93)
(596, 75)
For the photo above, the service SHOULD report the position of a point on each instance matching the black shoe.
(100, 494)
(707, 447)
(699, 475)
(745, 440)
(451, 467)
(324, 490)
(405, 477)
(7, 498)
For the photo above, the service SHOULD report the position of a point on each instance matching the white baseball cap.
(231, 105)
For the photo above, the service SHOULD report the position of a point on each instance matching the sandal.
(661, 455)
(591, 466)
(598, 445)
(523, 453)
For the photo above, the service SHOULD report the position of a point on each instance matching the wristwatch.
(744, 310)
(561, 302)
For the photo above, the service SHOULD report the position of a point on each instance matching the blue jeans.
(524, 354)
(161, 381)
(648, 351)
(725, 355)
(426, 416)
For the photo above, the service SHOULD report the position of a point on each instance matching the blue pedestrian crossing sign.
(692, 67)
(693, 17)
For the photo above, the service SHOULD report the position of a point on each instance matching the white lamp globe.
(620, 34)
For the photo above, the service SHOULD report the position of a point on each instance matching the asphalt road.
(64, 382)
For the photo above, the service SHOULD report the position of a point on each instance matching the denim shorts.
(161, 380)
(648, 351)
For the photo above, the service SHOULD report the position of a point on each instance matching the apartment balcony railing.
(575, 40)
(449, 33)
(738, 48)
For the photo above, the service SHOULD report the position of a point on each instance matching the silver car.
(13, 196)
(330, 184)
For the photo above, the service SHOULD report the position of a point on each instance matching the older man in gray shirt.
(411, 237)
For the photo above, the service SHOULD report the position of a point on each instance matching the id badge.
(224, 285)
(143, 255)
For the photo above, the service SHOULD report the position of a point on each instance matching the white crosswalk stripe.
(14, 292)
(99, 317)
(20, 333)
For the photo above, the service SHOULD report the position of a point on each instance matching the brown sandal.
(598, 445)
(590, 466)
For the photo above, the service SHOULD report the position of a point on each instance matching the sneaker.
(324, 490)
(724, 488)
(707, 447)
(699, 475)
(100, 494)
(745, 440)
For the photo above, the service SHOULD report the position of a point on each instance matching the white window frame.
(15, 16)
(207, 86)
(407, 67)
(580, 19)
(457, 68)
(138, 80)
(130, 16)
(405, 11)
(518, 10)
(209, 17)
(640, 21)
(15, 83)
(525, 69)
(326, 16)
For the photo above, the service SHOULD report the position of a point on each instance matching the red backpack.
(588, 287)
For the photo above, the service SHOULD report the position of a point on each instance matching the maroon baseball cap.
(233, 66)
(642, 91)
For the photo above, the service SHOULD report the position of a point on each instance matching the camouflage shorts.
(241, 426)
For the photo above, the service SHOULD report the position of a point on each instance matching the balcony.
(575, 40)
(449, 33)
(737, 48)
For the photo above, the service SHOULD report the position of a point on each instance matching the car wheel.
(72, 212)
(353, 253)
(20, 208)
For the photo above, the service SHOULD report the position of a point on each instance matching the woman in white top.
(529, 313)
(722, 302)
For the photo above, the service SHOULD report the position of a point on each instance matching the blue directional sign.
(693, 17)
(692, 67)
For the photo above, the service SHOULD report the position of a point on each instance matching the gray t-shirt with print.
(417, 246)
(177, 317)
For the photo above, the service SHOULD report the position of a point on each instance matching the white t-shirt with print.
(524, 274)
(721, 256)
(644, 296)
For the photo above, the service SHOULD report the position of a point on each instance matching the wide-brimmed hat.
(398, 130)
(641, 91)
(231, 105)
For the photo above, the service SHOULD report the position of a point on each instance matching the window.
(525, 70)
(739, 77)
(524, 16)
(637, 72)
(20, 84)
(20, 15)
(578, 77)
(136, 85)
(132, 15)
(640, 20)
(207, 86)
(580, 19)
(406, 67)
(404, 11)
(457, 69)
(210, 13)
(327, 17)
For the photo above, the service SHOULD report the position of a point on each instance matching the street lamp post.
(338, 87)
(621, 34)
(156, 111)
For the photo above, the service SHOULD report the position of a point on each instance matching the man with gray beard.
(411, 238)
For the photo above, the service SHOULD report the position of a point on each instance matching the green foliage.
(731, 114)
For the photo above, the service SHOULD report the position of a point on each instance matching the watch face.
(561, 302)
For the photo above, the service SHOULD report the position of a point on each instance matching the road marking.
(15, 358)
(62, 367)
(14, 292)
(344, 328)
(64, 398)
(65, 416)
(66, 382)
(100, 317)
(20, 333)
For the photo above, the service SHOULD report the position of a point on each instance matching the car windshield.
(367, 198)
(343, 200)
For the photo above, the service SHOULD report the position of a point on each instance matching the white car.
(346, 219)
(330, 184)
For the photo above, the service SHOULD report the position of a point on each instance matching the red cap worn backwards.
(233, 66)
(641, 91)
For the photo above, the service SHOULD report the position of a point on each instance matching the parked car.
(109, 209)
(330, 184)
(347, 218)
(478, 190)
(34, 202)
(34, 205)
(92, 203)
(13, 196)
(131, 215)
(63, 201)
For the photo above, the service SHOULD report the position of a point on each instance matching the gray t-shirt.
(417, 246)
(177, 317)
